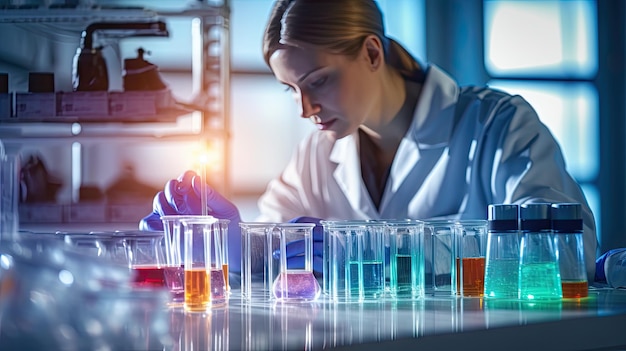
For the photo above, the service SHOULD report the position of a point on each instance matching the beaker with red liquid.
(144, 251)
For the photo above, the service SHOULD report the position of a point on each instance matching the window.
(546, 51)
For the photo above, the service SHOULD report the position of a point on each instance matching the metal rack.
(205, 119)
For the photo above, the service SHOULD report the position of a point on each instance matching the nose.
(308, 108)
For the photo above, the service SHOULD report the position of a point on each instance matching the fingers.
(185, 178)
(151, 222)
(177, 193)
(161, 206)
(293, 248)
(318, 230)
(295, 254)
(175, 196)
(218, 204)
(296, 247)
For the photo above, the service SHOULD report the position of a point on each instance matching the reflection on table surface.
(56, 298)
(598, 321)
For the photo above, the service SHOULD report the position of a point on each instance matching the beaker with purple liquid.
(295, 281)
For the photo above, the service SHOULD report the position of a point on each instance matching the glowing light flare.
(206, 159)
(207, 156)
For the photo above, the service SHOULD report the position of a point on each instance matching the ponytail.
(399, 58)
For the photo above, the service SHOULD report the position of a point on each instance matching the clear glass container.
(295, 281)
(567, 224)
(503, 252)
(539, 276)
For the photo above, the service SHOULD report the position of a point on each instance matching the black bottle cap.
(503, 217)
(535, 216)
(567, 217)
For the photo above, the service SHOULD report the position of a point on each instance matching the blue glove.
(169, 201)
(611, 268)
(295, 249)
(183, 196)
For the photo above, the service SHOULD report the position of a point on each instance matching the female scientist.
(396, 139)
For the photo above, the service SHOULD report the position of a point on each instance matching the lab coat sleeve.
(528, 166)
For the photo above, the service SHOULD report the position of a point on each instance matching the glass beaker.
(203, 285)
(567, 224)
(174, 268)
(222, 228)
(470, 262)
(441, 257)
(295, 281)
(92, 244)
(503, 252)
(539, 277)
(258, 270)
(146, 260)
(406, 257)
(365, 268)
(339, 235)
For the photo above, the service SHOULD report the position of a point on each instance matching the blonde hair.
(337, 26)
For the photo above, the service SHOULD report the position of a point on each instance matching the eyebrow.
(304, 76)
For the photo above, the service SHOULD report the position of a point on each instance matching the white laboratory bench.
(597, 322)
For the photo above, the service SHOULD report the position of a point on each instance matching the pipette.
(203, 184)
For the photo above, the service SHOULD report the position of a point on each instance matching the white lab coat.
(493, 150)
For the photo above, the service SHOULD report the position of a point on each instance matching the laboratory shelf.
(62, 129)
(165, 115)
(205, 121)
(15, 14)
(91, 13)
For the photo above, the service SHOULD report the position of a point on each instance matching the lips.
(325, 125)
(320, 124)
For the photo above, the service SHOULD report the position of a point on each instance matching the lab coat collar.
(434, 113)
(348, 175)
(431, 128)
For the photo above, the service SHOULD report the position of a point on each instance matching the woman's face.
(337, 92)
